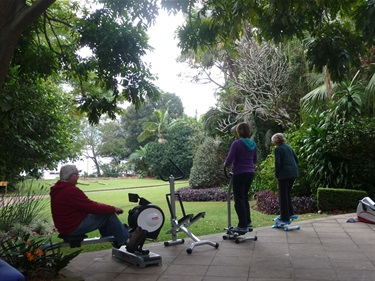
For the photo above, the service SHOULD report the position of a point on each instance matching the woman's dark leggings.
(241, 188)
(285, 198)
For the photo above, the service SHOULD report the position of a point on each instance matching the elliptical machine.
(182, 224)
(231, 234)
(151, 219)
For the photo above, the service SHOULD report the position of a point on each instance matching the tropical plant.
(158, 126)
(26, 254)
(349, 98)
(25, 207)
(338, 154)
(137, 162)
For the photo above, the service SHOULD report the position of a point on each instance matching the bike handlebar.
(176, 178)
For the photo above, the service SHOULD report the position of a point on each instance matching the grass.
(155, 191)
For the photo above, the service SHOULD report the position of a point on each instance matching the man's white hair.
(67, 171)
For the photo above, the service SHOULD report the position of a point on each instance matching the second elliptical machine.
(231, 234)
(182, 224)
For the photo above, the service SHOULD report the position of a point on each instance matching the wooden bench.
(4, 184)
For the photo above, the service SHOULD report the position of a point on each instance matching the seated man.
(75, 214)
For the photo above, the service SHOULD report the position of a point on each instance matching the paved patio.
(323, 249)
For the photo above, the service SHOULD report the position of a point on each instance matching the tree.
(131, 123)
(340, 32)
(262, 70)
(54, 31)
(40, 47)
(112, 141)
(40, 135)
(178, 147)
(157, 126)
(91, 137)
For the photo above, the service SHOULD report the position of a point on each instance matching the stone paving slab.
(328, 249)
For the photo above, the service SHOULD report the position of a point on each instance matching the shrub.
(189, 194)
(207, 170)
(265, 175)
(304, 204)
(268, 203)
(337, 199)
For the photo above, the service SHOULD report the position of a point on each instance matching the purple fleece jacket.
(243, 155)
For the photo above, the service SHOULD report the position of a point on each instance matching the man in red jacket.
(75, 214)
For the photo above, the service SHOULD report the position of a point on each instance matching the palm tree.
(349, 97)
(157, 126)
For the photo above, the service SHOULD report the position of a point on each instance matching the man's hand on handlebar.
(118, 210)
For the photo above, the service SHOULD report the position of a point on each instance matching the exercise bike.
(182, 224)
(151, 219)
(366, 210)
(231, 234)
(146, 215)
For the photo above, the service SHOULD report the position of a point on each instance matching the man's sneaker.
(281, 222)
(294, 217)
(240, 230)
(135, 240)
(142, 252)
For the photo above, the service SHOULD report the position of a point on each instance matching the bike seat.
(74, 241)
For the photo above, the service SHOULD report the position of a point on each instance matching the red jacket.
(70, 206)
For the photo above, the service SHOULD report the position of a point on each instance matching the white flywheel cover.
(150, 219)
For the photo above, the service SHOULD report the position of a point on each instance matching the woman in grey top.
(286, 172)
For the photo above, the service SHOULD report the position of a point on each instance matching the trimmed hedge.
(338, 199)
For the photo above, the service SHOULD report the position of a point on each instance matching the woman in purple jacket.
(242, 156)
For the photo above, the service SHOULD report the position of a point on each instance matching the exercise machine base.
(195, 240)
(137, 260)
(286, 226)
(238, 237)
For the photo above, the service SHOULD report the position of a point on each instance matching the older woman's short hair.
(67, 171)
(278, 139)
(243, 130)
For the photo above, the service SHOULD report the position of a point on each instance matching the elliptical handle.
(176, 178)
(228, 176)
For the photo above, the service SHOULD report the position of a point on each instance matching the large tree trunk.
(15, 17)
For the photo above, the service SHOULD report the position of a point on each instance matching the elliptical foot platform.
(287, 225)
(135, 259)
(238, 237)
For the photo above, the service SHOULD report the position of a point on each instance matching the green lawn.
(215, 220)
